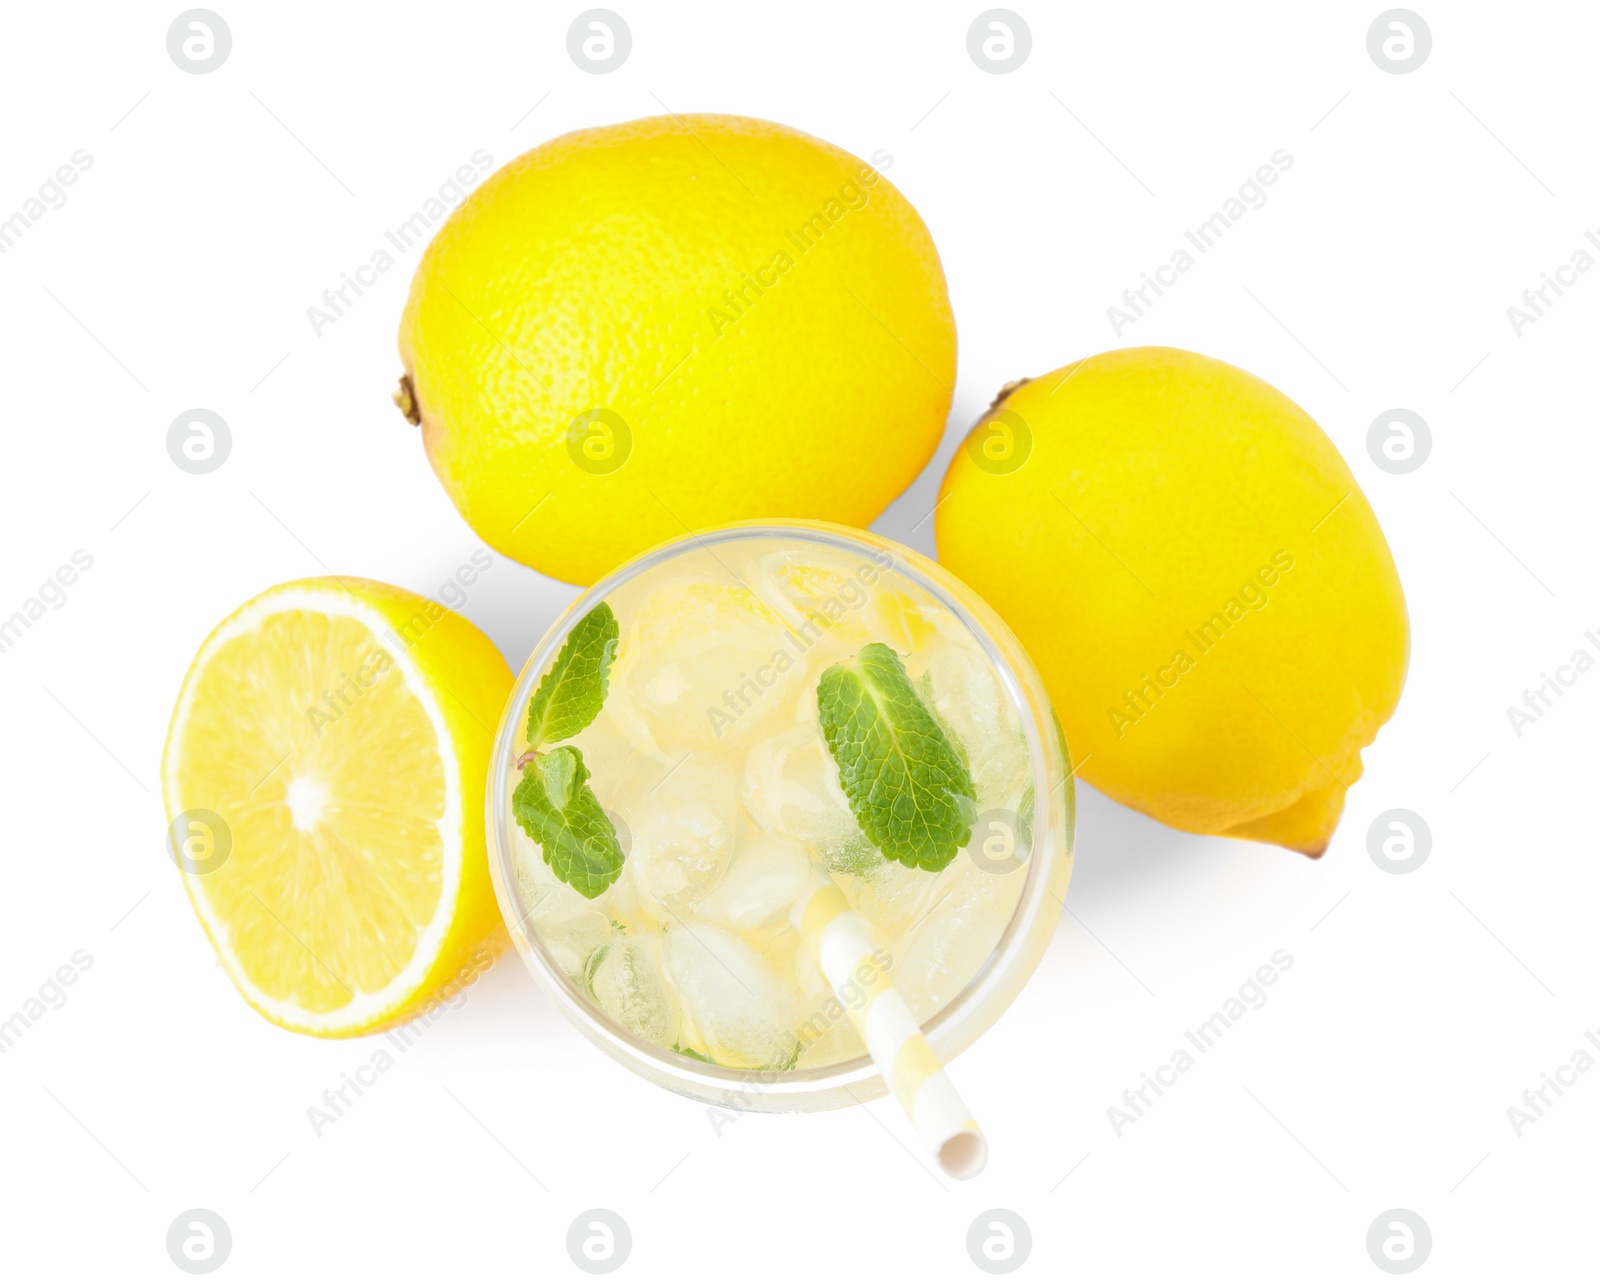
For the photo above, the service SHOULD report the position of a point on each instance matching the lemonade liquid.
(710, 758)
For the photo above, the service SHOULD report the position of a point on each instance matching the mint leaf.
(690, 1052)
(570, 695)
(907, 784)
(557, 809)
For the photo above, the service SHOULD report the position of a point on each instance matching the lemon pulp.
(324, 744)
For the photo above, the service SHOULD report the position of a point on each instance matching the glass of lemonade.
(723, 722)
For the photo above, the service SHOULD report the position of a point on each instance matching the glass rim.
(705, 1077)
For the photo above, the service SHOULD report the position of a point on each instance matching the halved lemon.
(324, 776)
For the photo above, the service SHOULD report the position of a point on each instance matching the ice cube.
(545, 898)
(574, 941)
(958, 931)
(791, 788)
(961, 688)
(836, 603)
(704, 663)
(764, 879)
(745, 1014)
(822, 604)
(826, 1034)
(1000, 777)
(682, 829)
(622, 903)
(836, 1042)
(839, 1043)
(625, 979)
(810, 986)
(900, 621)
(891, 896)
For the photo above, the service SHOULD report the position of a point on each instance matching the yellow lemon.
(1201, 581)
(643, 329)
(324, 780)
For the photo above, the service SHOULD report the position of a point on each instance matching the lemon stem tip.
(1008, 390)
(405, 396)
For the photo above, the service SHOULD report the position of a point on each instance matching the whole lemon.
(643, 329)
(1202, 583)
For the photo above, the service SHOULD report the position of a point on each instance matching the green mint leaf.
(557, 809)
(907, 784)
(690, 1052)
(570, 695)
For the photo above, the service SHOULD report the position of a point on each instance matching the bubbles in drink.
(624, 976)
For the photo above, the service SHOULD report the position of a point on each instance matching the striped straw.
(845, 953)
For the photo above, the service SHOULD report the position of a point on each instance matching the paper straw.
(844, 951)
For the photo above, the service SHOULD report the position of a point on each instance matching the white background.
(1418, 1007)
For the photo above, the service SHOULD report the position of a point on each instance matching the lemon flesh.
(1200, 580)
(341, 731)
(648, 328)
